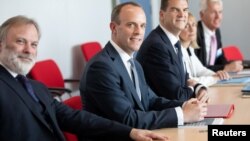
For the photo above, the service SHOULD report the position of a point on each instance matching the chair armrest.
(72, 80)
(59, 90)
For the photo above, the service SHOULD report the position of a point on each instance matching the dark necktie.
(135, 78)
(179, 54)
(27, 85)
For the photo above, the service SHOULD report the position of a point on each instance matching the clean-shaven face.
(212, 16)
(174, 18)
(129, 34)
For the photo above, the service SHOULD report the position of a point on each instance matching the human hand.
(191, 82)
(234, 66)
(146, 135)
(202, 95)
(222, 75)
(194, 110)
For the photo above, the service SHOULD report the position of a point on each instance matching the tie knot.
(178, 45)
(213, 38)
(21, 78)
(132, 62)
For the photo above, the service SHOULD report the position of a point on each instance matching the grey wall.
(66, 24)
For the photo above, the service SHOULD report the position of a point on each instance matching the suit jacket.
(21, 119)
(162, 68)
(201, 52)
(108, 91)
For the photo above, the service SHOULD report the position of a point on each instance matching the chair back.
(47, 72)
(232, 53)
(75, 103)
(90, 49)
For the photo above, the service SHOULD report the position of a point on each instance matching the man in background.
(161, 58)
(209, 38)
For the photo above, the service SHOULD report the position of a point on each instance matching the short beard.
(11, 60)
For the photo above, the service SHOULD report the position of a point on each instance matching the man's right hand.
(194, 110)
(234, 66)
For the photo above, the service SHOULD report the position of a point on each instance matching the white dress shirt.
(196, 70)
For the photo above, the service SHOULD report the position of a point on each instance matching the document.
(220, 110)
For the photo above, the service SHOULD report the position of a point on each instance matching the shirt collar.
(124, 56)
(173, 39)
(11, 72)
(207, 31)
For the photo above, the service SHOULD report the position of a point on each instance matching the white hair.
(204, 3)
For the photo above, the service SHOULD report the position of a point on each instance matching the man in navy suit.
(109, 87)
(159, 56)
(30, 113)
(211, 17)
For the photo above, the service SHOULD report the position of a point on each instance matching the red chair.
(232, 53)
(75, 103)
(90, 49)
(48, 72)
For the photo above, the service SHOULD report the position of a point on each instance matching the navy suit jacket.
(162, 68)
(201, 53)
(21, 120)
(108, 91)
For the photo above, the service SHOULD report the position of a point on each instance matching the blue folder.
(246, 88)
(239, 80)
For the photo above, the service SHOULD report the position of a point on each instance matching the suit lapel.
(45, 102)
(172, 51)
(22, 94)
(121, 69)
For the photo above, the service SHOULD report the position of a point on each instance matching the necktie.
(213, 50)
(179, 54)
(27, 85)
(135, 78)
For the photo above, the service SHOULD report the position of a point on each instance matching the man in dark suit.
(113, 83)
(161, 59)
(211, 17)
(28, 112)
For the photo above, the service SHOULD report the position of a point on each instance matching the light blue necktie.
(135, 78)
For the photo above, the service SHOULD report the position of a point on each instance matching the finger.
(158, 137)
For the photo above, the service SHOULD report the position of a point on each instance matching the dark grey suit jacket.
(21, 120)
(162, 68)
(108, 91)
(201, 52)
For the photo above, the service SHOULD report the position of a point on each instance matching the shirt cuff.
(180, 116)
(197, 87)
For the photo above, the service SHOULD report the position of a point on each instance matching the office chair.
(232, 53)
(89, 49)
(75, 103)
(48, 72)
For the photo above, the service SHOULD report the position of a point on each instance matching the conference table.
(228, 94)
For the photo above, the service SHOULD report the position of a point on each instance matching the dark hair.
(164, 4)
(117, 9)
(17, 20)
